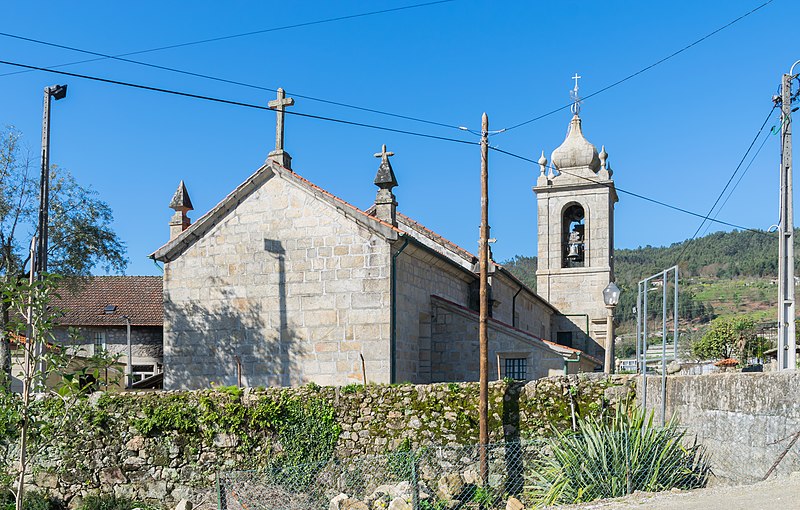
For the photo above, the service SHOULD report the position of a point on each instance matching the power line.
(722, 193)
(632, 193)
(120, 57)
(358, 124)
(644, 69)
(739, 180)
(234, 103)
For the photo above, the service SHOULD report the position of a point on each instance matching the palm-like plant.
(615, 456)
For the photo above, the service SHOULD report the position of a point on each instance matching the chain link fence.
(439, 478)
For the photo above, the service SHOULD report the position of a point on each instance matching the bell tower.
(576, 197)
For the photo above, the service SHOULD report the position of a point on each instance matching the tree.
(726, 337)
(46, 369)
(79, 231)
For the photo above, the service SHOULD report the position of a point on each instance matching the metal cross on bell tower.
(576, 99)
(279, 105)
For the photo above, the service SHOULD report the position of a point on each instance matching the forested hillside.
(721, 273)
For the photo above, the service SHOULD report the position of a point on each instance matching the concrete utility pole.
(57, 92)
(129, 367)
(483, 331)
(787, 356)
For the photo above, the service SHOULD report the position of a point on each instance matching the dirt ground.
(773, 494)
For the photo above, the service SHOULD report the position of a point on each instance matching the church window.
(573, 233)
(516, 368)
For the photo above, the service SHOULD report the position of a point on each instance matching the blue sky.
(674, 133)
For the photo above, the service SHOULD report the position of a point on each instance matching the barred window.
(516, 368)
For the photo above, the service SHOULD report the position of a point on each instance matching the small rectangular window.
(99, 341)
(516, 368)
(564, 338)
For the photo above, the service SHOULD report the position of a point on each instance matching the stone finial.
(542, 180)
(181, 203)
(603, 157)
(385, 203)
(542, 163)
(605, 166)
(180, 200)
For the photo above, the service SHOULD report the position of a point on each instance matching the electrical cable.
(358, 124)
(244, 34)
(722, 193)
(739, 180)
(235, 103)
(120, 57)
(634, 194)
(644, 69)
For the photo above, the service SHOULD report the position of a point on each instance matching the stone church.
(283, 283)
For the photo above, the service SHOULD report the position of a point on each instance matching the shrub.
(33, 500)
(111, 502)
(615, 456)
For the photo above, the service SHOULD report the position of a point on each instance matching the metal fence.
(439, 478)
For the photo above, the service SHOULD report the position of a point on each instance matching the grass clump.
(613, 457)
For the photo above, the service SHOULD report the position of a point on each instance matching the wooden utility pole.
(786, 305)
(483, 331)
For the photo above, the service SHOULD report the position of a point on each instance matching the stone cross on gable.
(279, 105)
(384, 155)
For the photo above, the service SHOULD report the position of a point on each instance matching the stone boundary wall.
(109, 454)
(745, 420)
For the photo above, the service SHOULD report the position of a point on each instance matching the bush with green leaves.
(727, 337)
(614, 456)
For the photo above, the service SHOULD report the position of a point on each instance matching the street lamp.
(611, 299)
(56, 92)
(129, 368)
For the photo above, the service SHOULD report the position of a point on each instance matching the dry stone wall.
(164, 447)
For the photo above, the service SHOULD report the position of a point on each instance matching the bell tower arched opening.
(574, 242)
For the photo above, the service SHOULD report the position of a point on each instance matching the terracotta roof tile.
(138, 297)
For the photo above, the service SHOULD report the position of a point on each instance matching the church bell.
(574, 252)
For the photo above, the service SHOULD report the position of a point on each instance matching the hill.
(721, 273)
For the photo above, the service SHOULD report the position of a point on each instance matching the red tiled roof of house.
(138, 297)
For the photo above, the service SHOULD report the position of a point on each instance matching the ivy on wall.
(286, 429)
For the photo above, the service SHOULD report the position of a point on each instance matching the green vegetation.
(112, 502)
(485, 497)
(723, 274)
(305, 427)
(402, 460)
(351, 388)
(33, 500)
(727, 337)
(612, 457)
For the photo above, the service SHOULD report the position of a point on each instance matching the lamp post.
(611, 299)
(56, 92)
(129, 368)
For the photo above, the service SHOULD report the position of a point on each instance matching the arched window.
(574, 240)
